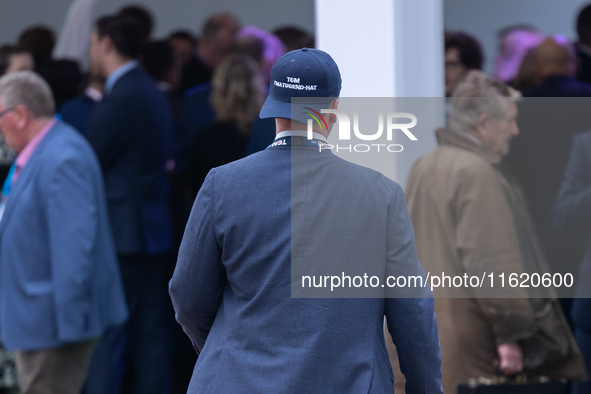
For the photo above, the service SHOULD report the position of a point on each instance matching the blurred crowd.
(195, 102)
(160, 113)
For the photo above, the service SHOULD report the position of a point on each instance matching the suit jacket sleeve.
(411, 321)
(487, 242)
(572, 209)
(199, 277)
(106, 130)
(72, 226)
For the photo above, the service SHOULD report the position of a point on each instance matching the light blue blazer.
(232, 286)
(59, 276)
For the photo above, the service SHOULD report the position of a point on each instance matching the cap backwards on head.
(310, 75)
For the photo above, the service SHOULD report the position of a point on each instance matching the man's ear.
(482, 119)
(21, 116)
(334, 105)
(106, 44)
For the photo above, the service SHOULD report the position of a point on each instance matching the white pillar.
(388, 48)
(359, 35)
(418, 48)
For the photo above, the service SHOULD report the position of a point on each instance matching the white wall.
(361, 42)
(484, 18)
(16, 15)
(418, 52)
(387, 48)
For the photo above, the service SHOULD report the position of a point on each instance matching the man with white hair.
(60, 286)
(470, 217)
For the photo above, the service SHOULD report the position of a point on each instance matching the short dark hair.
(39, 41)
(470, 50)
(183, 35)
(6, 51)
(125, 33)
(294, 37)
(141, 16)
(584, 24)
(65, 79)
(158, 59)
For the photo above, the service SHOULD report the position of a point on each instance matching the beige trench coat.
(471, 217)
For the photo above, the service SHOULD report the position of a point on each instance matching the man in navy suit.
(130, 130)
(233, 289)
(572, 214)
(60, 285)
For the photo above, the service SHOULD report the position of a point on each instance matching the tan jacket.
(470, 217)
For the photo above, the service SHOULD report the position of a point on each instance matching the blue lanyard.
(297, 141)
(8, 181)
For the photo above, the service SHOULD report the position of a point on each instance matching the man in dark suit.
(130, 131)
(572, 215)
(60, 285)
(288, 210)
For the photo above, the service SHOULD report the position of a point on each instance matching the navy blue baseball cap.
(311, 75)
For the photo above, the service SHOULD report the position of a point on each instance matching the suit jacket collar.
(455, 138)
(26, 176)
(299, 133)
(118, 73)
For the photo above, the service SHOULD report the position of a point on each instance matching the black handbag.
(520, 385)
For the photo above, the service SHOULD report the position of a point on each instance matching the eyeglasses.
(6, 111)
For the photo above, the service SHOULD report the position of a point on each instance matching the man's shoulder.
(67, 134)
(76, 103)
(445, 157)
(364, 176)
(251, 162)
(451, 165)
(135, 81)
(66, 145)
(330, 166)
(136, 95)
